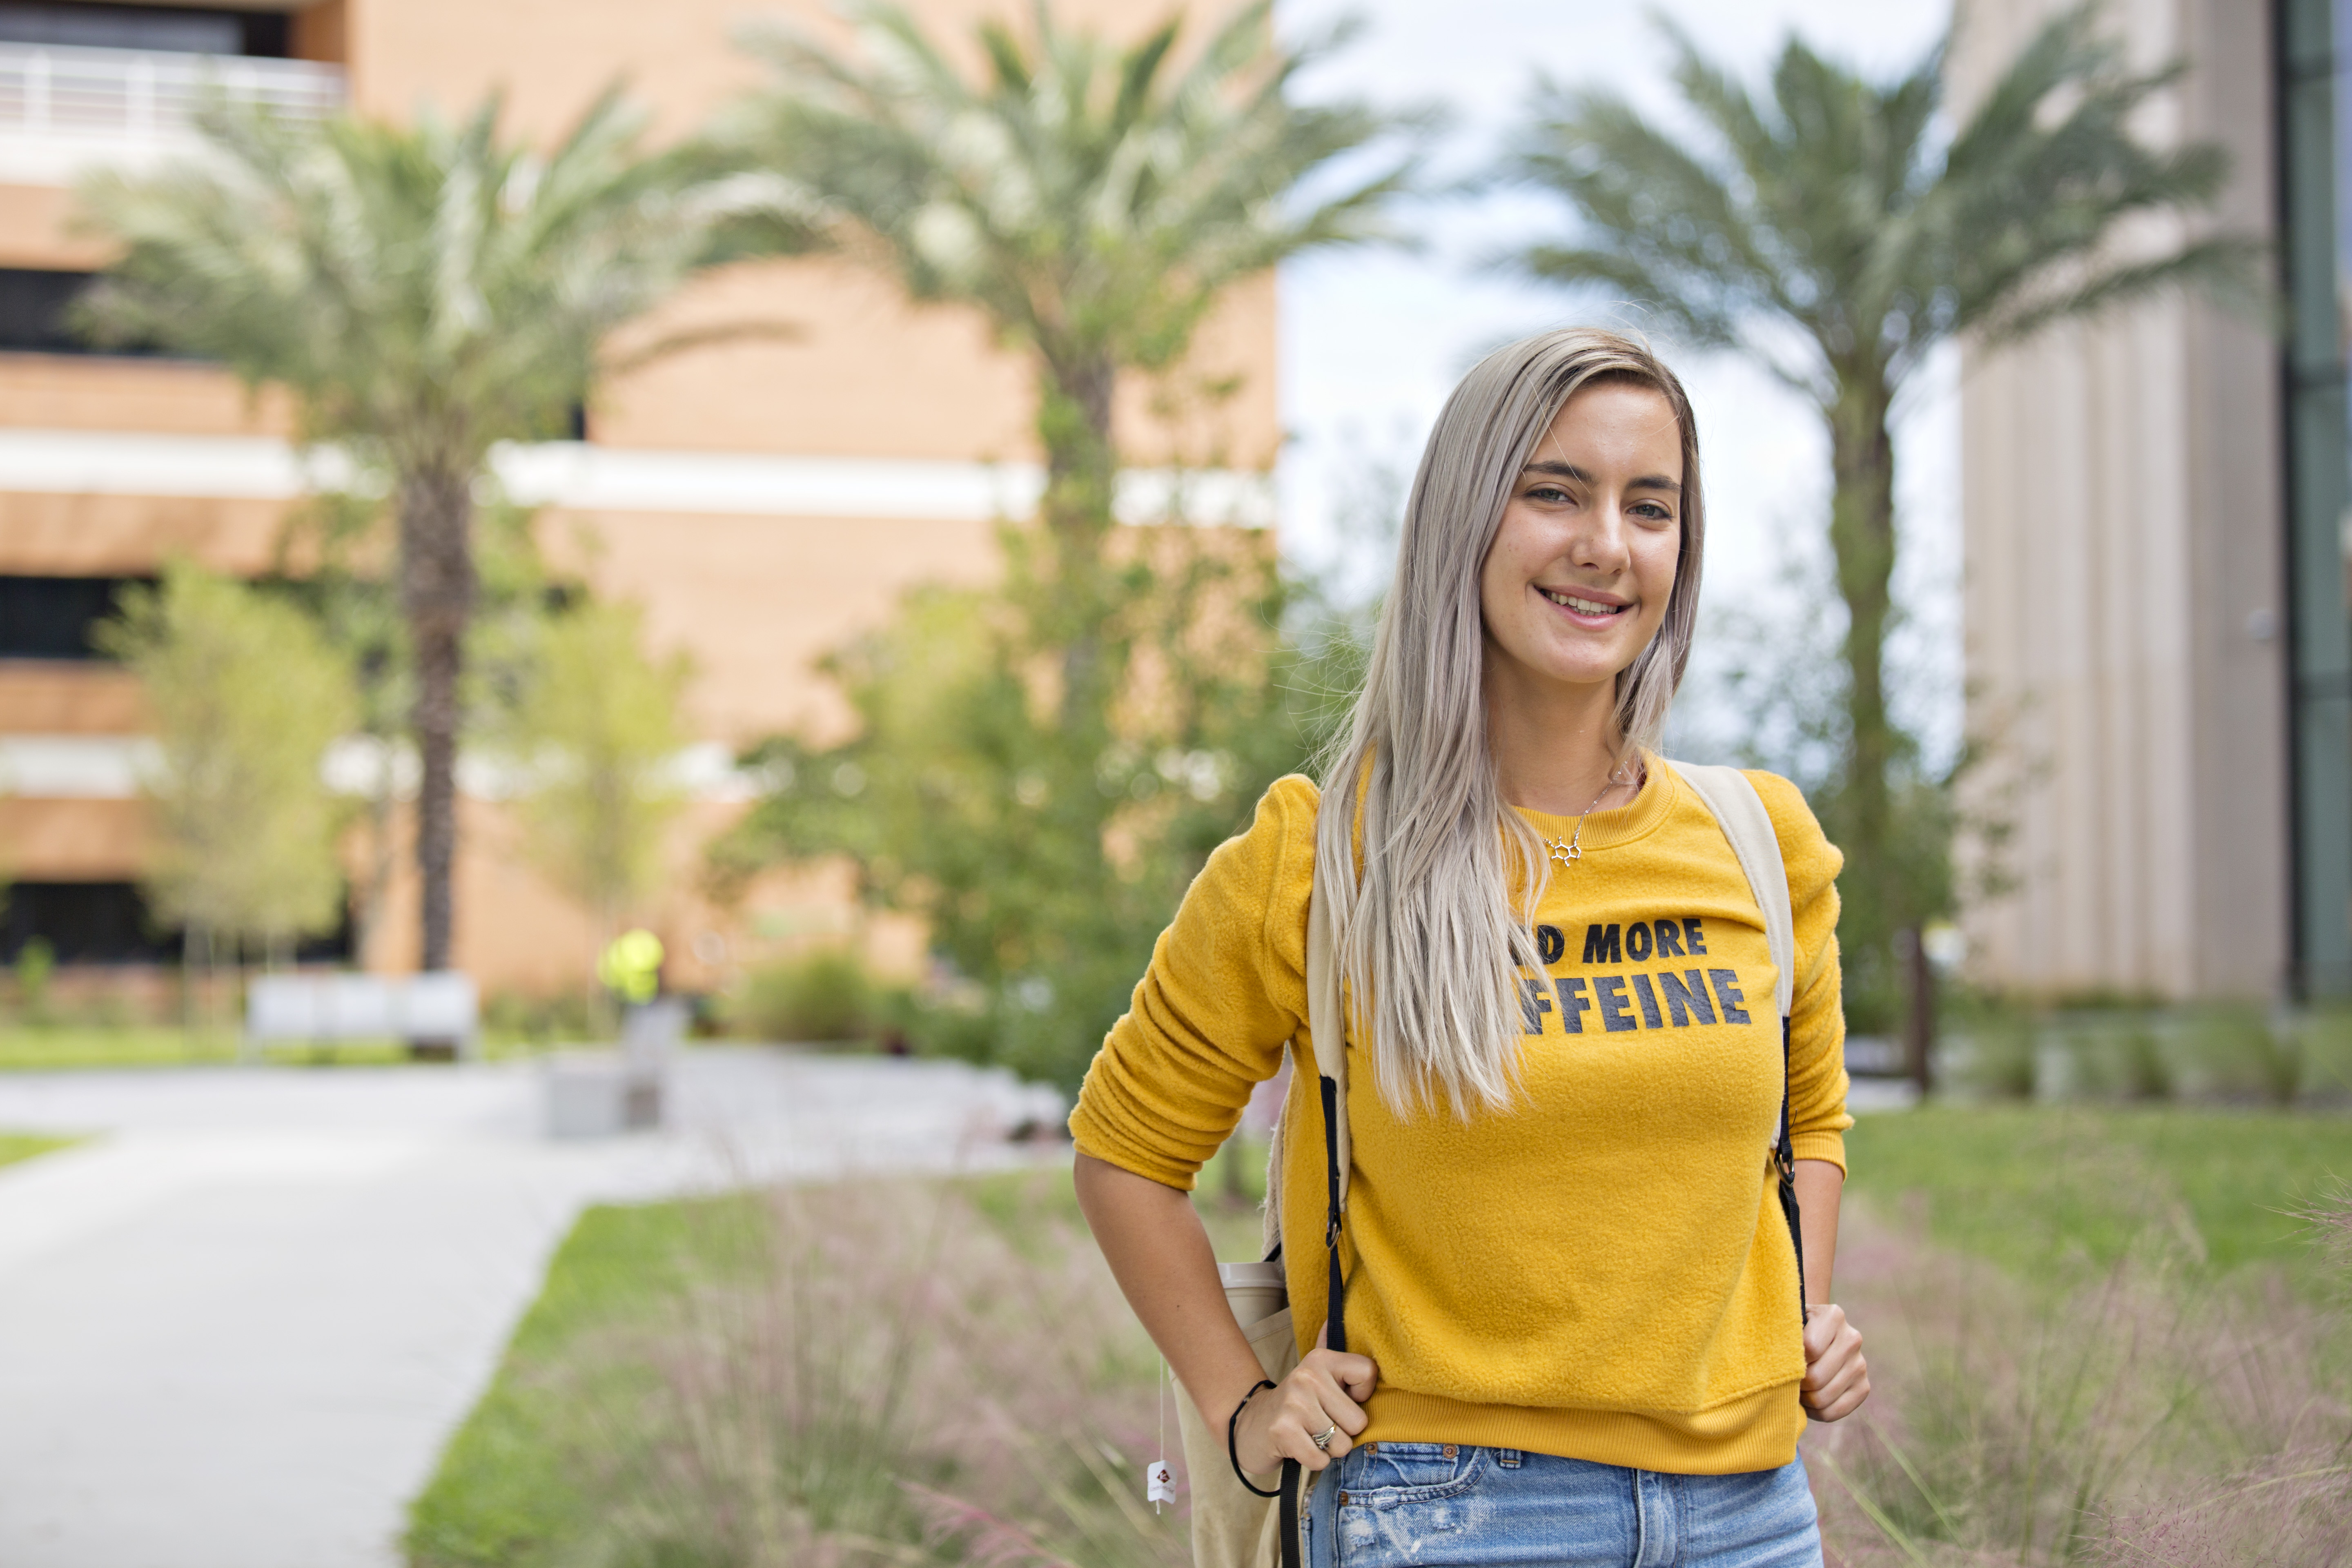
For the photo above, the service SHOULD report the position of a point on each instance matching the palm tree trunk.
(189, 941)
(1861, 537)
(436, 592)
(1081, 476)
(376, 892)
(1071, 603)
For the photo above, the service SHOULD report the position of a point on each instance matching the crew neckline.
(1661, 785)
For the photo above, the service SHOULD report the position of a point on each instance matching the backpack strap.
(1328, 1029)
(1740, 811)
(1326, 1026)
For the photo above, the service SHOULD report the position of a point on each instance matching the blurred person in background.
(1572, 1324)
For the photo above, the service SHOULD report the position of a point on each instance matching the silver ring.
(1323, 1440)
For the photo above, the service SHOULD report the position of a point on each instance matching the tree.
(1093, 203)
(1833, 234)
(245, 697)
(423, 293)
(595, 733)
(1041, 764)
(1046, 871)
(332, 557)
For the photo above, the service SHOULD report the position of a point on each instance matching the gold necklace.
(1568, 851)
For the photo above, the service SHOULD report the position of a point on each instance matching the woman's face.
(1577, 580)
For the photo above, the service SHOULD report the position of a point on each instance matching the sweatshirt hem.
(1755, 1432)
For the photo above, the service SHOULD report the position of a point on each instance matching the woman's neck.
(1555, 745)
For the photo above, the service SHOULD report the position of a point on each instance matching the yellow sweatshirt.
(1602, 1272)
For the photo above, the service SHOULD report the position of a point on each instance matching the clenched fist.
(1837, 1380)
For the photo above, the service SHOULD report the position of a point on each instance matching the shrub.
(1988, 1051)
(515, 1018)
(36, 961)
(2323, 1042)
(2103, 1055)
(2136, 1413)
(2232, 1053)
(866, 1375)
(823, 997)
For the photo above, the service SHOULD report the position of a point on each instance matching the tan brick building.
(761, 499)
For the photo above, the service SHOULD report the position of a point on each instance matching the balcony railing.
(62, 109)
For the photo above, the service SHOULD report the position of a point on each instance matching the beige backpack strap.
(1740, 811)
(1325, 1025)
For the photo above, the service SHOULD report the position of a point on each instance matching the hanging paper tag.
(1160, 1483)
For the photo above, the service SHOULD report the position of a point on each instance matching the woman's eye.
(1547, 493)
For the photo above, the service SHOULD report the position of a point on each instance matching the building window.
(56, 617)
(37, 314)
(84, 25)
(84, 923)
(110, 922)
(35, 310)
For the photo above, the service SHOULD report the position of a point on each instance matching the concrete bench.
(599, 1093)
(325, 1010)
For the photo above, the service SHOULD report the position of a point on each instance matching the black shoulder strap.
(1335, 1317)
(1784, 1158)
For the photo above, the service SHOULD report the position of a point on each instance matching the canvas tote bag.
(1235, 1527)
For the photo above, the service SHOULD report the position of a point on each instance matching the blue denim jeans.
(1437, 1505)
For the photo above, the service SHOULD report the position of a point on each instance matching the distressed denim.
(1439, 1505)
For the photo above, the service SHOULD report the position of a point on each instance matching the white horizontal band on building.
(113, 767)
(75, 767)
(588, 478)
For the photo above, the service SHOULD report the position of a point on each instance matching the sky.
(1373, 340)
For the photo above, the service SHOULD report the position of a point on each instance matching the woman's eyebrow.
(1571, 471)
(1558, 470)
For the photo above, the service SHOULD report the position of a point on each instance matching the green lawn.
(2029, 1187)
(15, 1146)
(47, 1047)
(63, 1047)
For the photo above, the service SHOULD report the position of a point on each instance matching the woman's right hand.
(1326, 1389)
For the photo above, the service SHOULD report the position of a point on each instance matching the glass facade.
(172, 29)
(2314, 40)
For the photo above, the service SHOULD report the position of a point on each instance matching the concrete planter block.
(600, 1094)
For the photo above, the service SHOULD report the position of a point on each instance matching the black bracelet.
(1233, 1448)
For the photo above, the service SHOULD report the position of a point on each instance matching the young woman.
(1568, 1272)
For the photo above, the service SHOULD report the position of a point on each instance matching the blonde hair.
(1429, 945)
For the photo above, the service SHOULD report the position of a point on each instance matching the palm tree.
(423, 293)
(1835, 235)
(1093, 202)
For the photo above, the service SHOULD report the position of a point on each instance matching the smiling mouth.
(1583, 606)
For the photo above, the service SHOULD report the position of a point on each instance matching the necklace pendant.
(1567, 851)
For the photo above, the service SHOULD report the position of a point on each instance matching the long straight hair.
(1430, 943)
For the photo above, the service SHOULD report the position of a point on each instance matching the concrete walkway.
(236, 1328)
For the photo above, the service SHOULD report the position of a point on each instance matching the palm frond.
(1091, 199)
(1662, 222)
(2230, 269)
(425, 291)
(1832, 206)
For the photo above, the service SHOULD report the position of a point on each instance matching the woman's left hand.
(1837, 1380)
